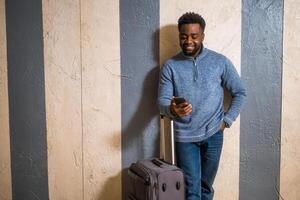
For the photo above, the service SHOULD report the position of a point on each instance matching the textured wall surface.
(5, 173)
(222, 34)
(290, 138)
(101, 62)
(261, 119)
(63, 98)
(82, 58)
(101, 99)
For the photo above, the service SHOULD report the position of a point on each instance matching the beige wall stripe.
(61, 21)
(101, 99)
(290, 140)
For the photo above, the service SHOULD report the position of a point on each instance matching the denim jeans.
(199, 162)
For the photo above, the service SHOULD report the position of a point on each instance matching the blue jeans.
(199, 162)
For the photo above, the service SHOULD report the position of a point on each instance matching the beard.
(192, 52)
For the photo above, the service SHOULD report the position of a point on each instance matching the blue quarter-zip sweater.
(200, 81)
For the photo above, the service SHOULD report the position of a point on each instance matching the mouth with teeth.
(189, 49)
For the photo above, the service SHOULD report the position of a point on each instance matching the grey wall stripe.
(26, 88)
(139, 21)
(261, 69)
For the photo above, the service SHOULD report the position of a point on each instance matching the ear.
(202, 36)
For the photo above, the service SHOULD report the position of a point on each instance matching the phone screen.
(179, 100)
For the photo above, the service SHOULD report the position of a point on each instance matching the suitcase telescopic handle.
(157, 162)
(163, 137)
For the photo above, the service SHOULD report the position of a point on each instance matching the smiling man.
(191, 93)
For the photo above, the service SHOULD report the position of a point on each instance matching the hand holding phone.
(180, 107)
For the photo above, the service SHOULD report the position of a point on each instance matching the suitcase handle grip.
(159, 162)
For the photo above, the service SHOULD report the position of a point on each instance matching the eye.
(195, 36)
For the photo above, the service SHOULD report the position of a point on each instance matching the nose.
(189, 40)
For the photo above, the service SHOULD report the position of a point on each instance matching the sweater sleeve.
(233, 83)
(165, 91)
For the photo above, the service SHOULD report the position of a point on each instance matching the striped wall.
(78, 86)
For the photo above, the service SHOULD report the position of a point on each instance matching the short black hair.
(191, 18)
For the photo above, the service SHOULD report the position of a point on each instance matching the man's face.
(190, 39)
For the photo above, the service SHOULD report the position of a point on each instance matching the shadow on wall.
(111, 189)
(140, 134)
(140, 137)
(137, 132)
(146, 110)
(169, 42)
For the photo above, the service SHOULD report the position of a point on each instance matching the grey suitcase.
(156, 179)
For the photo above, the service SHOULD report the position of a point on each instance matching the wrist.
(172, 111)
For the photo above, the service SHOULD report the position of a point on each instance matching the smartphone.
(179, 100)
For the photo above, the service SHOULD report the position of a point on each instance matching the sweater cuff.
(171, 115)
(166, 111)
(228, 120)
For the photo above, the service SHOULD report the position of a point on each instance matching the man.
(198, 75)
